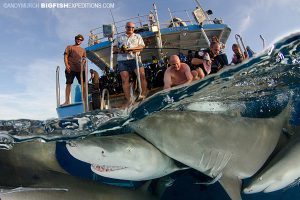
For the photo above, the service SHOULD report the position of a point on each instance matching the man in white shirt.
(128, 45)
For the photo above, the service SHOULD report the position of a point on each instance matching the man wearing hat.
(72, 57)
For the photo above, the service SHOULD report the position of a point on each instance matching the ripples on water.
(261, 87)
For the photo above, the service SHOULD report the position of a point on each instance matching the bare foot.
(65, 104)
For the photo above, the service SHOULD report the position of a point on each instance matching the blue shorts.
(128, 65)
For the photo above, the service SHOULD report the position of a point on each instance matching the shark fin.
(214, 180)
(232, 186)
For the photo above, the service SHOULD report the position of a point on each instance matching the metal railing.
(57, 87)
(144, 22)
(239, 41)
(84, 84)
(263, 41)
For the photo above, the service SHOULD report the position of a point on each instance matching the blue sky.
(33, 40)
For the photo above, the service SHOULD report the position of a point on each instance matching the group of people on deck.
(128, 47)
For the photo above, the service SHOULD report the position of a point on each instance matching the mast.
(158, 34)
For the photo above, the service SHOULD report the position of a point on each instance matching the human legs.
(126, 86)
(67, 94)
(200, 72)
(69, 80)
(143, 81)
(195, 75)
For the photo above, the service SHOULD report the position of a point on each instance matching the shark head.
(126, 157)
(259, 185)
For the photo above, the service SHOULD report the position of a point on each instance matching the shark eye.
(102, 152)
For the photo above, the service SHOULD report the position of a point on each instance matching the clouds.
(245, 23)
(37, 98)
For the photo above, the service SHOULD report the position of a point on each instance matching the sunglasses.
(129, 26)
(79, 39)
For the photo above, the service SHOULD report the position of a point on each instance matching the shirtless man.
(178, 73)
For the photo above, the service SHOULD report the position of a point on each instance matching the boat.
(181, 35)
(177, 37)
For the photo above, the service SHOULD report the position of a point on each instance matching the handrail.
(138, 74)
(237, 38)
(86, 87)
(57, 87)
(103, 104)
(83, 83)
(263, 41)
(143, 19)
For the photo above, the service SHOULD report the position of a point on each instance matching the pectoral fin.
(232, 186)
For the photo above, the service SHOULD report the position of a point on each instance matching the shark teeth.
(106, 168)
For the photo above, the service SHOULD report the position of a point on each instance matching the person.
(94, 79)
(73, 56)
(238, 56)
(218, 59)
(178, 73)
(222, 45)
(211, 61)
(95, 90)
(127, 45)
(201, 64)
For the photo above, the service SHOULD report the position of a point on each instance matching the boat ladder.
(239, 41)
(105, 104)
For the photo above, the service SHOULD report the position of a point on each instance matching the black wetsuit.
(200, 55)
(218, 62)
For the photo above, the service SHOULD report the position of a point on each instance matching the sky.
(33, 40)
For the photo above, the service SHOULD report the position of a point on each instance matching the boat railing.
(239, 41)
(97, 35)
(84, 84)
(145, 22)
(57, 87)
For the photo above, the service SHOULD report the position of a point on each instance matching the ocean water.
(259, 88)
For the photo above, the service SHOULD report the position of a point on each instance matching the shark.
(225, 147)
(30, 171)
(127, 157)
(282, 171)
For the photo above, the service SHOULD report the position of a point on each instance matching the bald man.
(177, 74)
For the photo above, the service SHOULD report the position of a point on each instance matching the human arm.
(188, 74)
(197, 61)
(167, 79)
(68, 67)
(138, 46)
(136, 49)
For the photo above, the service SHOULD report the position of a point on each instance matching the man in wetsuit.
(218, 61)
(208, 62)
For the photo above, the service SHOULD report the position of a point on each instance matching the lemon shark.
(281, 172)
(30, 171)
(221, 146)
(127, 157)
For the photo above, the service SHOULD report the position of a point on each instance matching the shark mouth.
(106, 168)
